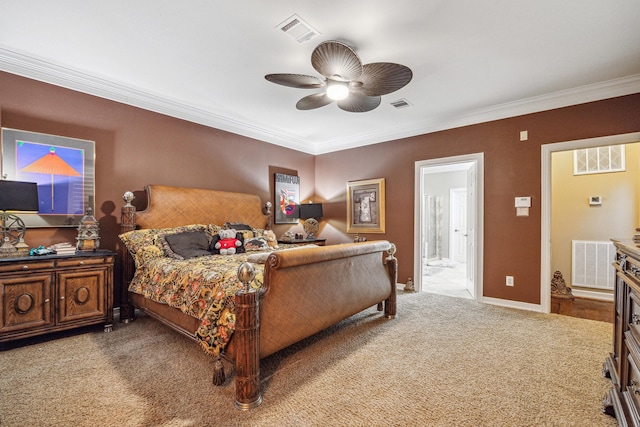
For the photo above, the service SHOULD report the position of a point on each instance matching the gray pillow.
(189, 244)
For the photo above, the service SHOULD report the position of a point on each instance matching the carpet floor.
(442, 362)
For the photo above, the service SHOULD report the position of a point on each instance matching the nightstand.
(42, 294)
(319, 242)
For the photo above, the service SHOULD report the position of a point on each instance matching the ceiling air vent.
(297, 28)
(401, 103)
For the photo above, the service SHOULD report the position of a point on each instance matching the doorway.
(546, 241)
(448, 234)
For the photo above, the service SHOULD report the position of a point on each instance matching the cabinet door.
(81, 294)
(26, 302)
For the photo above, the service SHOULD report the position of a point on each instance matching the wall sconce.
(20, 197)
(310, 212)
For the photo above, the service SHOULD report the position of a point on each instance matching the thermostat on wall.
(595, 200)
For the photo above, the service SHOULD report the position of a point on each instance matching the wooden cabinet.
(53, 293)
(623, 399)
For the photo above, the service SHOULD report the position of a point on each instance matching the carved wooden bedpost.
(392, 269)
(247, 337)
(127, 223)
(269, 214)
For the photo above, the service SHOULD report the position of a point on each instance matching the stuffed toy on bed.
(270, 237)
(228, 242)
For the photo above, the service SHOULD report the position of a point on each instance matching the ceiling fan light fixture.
(357, 87)
(337, 90)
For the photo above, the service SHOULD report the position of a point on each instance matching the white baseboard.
(601, 296)
(513, 304)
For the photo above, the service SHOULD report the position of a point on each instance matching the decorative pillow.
(246, 230)
(256, 244)
(213, 229)
(185, 245)
(145, 244)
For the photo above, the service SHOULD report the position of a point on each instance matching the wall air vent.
(297, 28)
(401, 103)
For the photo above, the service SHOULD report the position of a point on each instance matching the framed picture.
(62, 167)
(287, 198)
(365, 206)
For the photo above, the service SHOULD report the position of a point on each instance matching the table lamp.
(310, 212)
(16, 196)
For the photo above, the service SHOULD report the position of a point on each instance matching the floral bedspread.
(201, 287)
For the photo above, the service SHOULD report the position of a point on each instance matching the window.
(598, 160)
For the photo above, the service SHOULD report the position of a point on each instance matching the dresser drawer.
(26, 266)
(80, 261)
(632, 392)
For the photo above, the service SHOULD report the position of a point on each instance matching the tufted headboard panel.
(175, 206)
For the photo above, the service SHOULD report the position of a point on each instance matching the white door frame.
(478, 160)
(547, 150)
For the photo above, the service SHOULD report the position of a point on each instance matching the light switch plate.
(523, 202)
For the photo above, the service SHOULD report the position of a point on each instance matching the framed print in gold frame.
(365, 206)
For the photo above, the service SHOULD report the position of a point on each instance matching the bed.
(246, 306)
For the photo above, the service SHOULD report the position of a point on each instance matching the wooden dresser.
(53, 293)
(623, 364)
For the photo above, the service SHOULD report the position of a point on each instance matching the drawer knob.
(25, 267)
(46, 301)
(81, 262)
(61, 298)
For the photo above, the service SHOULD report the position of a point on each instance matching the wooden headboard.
(175, 206)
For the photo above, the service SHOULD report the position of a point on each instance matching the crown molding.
(55, 74)
(48, 72)
(565, 98)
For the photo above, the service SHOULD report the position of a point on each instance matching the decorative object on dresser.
(623, 363)
(88, 232)
(227, 318)
(53, 293)
(310, 212)
(365, 206)
(63, 248)
(17, 196)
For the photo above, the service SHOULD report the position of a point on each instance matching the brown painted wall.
(135, 147)
(512, 168)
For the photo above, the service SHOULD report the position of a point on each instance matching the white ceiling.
(205, 60)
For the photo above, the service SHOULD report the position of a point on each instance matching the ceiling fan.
(356, 87)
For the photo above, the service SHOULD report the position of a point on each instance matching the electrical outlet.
(509, 280)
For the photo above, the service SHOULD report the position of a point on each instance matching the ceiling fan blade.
(299, 81)
(337, 61)
(381, 78)
(311, 102)
(356, 103)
